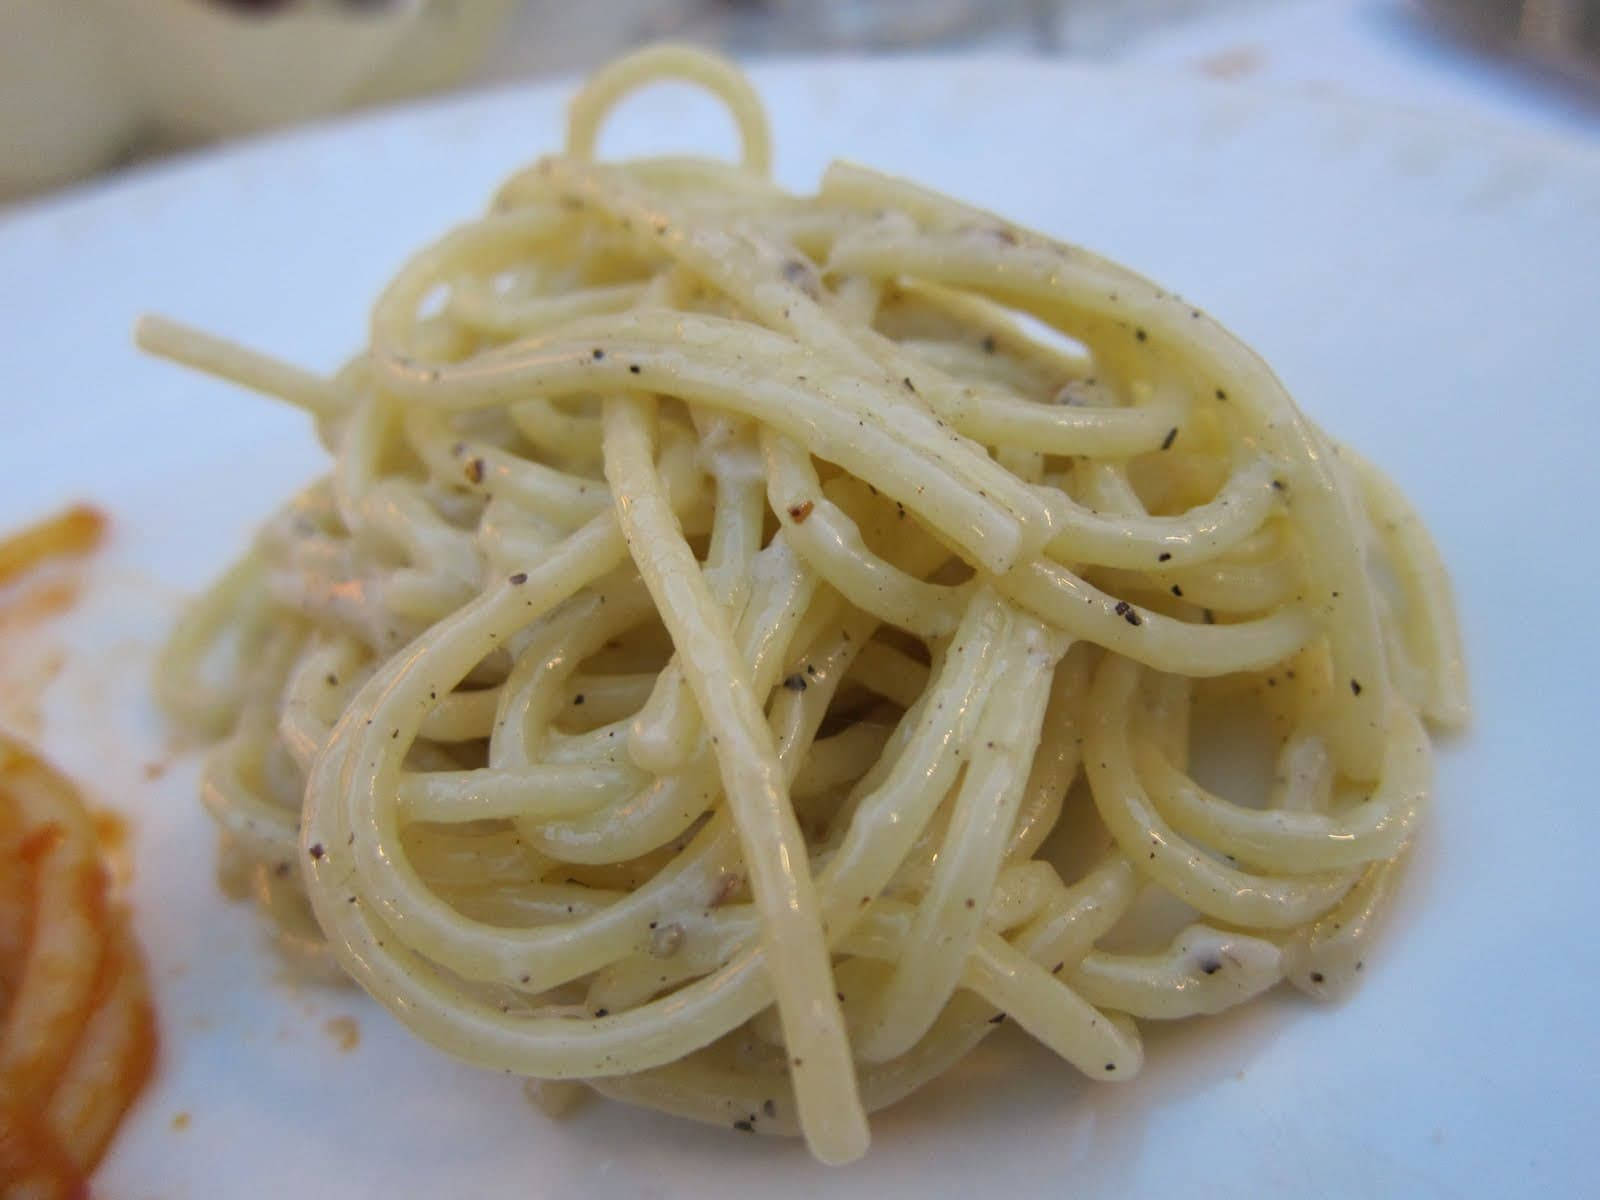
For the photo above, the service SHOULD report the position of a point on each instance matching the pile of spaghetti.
(750, 644)
(77, 1034)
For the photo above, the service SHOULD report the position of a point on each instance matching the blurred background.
(91, 86)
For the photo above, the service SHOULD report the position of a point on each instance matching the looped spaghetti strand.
(611, 85)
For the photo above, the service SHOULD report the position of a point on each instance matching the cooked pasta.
(749, 644)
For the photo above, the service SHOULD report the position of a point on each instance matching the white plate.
(1428, 293)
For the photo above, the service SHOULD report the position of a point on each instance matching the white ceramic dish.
(1428, 293)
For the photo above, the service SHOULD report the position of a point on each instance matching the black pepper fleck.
(1172, 436)
(795, 682)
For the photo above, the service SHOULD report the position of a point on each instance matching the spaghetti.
(749, 644)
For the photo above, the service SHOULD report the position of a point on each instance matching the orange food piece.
(77, 1031)
(77, 530)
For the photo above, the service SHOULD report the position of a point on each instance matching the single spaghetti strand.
(774, 849)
